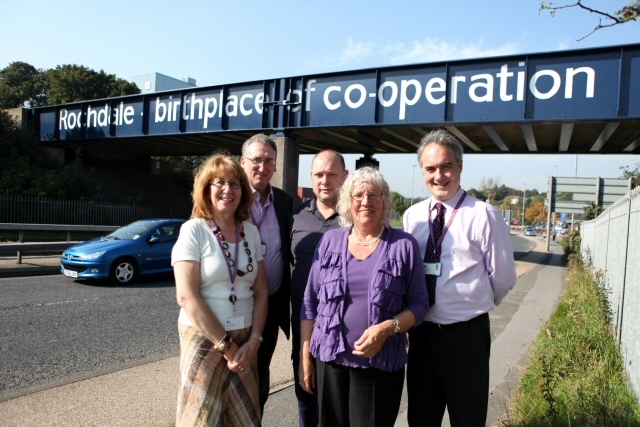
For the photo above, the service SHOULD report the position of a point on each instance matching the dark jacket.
(279, 302)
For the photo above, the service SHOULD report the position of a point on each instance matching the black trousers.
(356, 397)
(265, 354)
(449, 368)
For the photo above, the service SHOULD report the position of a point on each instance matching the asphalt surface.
(144, 395)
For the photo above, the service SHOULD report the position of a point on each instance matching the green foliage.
(22, 85)
(72, 83)
(26, 171)
(400, 204)
(571, 245)
(591, 211)
(634, 173)
(576, 376)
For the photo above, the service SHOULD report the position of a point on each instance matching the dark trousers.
(307, 403)
(355, 397)
(449, 368)
(265, 353)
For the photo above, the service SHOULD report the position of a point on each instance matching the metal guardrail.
(54, 227)
(20, 248)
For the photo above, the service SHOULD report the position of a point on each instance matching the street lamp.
(413, 174)
(556, 171)
(524, 194)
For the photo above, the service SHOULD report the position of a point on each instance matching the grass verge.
(576, 375)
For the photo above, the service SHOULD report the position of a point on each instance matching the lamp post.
(524, 194)
(413, 174)
(556, 171)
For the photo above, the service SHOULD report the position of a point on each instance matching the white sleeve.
(188, 247)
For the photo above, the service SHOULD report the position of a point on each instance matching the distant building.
(305, 193)
(156, 82)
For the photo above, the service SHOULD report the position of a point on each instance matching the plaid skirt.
(210, 394)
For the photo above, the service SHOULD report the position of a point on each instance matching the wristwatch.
(396, 326)
(224, 344)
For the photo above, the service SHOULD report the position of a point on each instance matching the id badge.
(234, 323)
(433, 268)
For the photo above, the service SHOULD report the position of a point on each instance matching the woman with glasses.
(221, 289)
(365, 290)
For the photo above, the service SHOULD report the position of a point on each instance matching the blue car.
(529, 231)
(140, 248)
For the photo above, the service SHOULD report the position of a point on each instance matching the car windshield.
(132, 231)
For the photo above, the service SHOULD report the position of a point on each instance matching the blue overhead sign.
(594, 84)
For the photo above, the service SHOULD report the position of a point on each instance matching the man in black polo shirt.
(311, 219)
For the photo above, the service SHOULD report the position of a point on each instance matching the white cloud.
(435, 50)
(353, 53)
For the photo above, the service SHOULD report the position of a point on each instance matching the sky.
(224, 42)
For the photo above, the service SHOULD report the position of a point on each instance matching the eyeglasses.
(258, 161)
(220, 183)
(371, 196)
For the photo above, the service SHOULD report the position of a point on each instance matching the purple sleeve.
(417, 298)
(309, 308)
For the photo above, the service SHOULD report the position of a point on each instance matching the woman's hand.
(307, 373)
(240, 358)
(373, 338)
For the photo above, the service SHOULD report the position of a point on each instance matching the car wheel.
(123, 271)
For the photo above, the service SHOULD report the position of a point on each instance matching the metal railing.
(41, 210)
(611, 243)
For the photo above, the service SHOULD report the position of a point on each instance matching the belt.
(432, 325)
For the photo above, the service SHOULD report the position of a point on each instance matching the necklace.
(369, 243)
(217, 231)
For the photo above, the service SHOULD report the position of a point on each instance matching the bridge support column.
(286, 175)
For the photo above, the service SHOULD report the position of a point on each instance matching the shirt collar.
(449, 203)
(312, 205)
(256, 194)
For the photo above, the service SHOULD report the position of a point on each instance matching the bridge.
(570, 102)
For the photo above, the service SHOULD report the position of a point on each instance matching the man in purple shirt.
(471, 266)
(271, 213)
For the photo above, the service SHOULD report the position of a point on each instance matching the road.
(56, 330)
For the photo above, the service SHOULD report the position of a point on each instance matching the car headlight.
(91, 256)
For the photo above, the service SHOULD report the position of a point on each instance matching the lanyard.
(264, 214)
(436, 245)
(232, 273)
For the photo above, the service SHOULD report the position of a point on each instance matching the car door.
(160, 243)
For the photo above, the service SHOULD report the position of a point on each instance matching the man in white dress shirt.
(470, 263)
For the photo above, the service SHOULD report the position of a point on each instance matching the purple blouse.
(396, 283)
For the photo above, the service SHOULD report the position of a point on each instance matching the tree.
(73, 83)
(22, 85)
(628, 13)
(399, 203)
(634, 174)
(536, 212)
(591, 211)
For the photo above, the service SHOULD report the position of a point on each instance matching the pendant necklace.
(231, 264)
(361, 243)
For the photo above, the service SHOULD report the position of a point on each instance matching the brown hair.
(216, 166)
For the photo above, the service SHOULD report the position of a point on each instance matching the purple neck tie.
(432, 255)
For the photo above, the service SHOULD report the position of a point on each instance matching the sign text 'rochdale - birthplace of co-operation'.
(574, 87)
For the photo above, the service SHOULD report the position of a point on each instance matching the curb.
(29, 271)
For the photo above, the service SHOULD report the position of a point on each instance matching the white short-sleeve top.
(197, 242)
